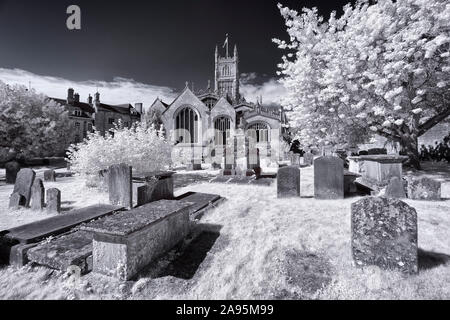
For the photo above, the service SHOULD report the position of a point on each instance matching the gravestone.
(296, 160)
(12, 169)
(395, 189)
(49, 175)
(328, 178)
(53, 200)
(308, 158)
(424, 189)
(16, 200)
(288, 182)
(24, 181)
(37, 195)
(384, 234)
(121, 185)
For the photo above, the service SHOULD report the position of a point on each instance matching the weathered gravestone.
(384, 233)
(49, 175)
(157, 187)
(16, 200)
(308, 158)
(53, 200)
(328, 178)
(296, 160)
(288, 182)
(12, 169)
(395, 189)
(121, 185)
(424, 189)
(24, 181)
(37, 195)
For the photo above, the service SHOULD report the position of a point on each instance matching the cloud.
(252, 87)
(118, 91)
(122, 90)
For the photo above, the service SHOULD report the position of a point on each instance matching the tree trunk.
(409, 147)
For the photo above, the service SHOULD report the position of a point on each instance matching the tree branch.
(433, 121)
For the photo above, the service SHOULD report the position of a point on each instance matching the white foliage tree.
(144, 148)
(380, 68)
(30, 124)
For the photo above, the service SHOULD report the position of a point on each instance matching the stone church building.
(202, 120)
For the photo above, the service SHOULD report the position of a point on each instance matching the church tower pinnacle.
(227, 74)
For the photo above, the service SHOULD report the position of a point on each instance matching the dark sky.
(159, 42)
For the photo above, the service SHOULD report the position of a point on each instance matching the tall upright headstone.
(308, 158)
(53, 200)
(49, 175)
(384, 234)
(395, 189)
(37, 195)
(12, 169)
(16, 200)
(121, 185)
(296, 159)
(288, 182)
(329, 178)
(24, 181)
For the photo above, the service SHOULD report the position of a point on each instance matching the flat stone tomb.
(378, 169)
(38, 230)
(15, 242)
(328, 178)
(199, 201)
(288, 182)
(24, 182)
(120, 185)
(70, 249)
(384, 233)
(127, 242)
(75, 248)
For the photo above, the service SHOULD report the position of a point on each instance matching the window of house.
(111, 120)
(77, 124)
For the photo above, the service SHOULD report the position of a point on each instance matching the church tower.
(227, 73)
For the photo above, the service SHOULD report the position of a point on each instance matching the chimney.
(138, 107)
(89, 99)
(70, 97)
(76, 97)
(97, 97)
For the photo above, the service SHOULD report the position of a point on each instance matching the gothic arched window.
(259, 132)
(187, 126)
(222, 127)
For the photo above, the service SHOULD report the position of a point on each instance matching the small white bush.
(143, 148)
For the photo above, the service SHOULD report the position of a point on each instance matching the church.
(205, 119)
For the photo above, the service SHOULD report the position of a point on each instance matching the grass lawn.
(268, 248)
